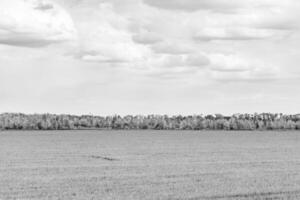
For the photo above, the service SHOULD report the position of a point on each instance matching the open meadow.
(122, 165)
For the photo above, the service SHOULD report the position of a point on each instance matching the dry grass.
(149, 165)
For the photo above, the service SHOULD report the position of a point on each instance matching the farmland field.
(122, 165)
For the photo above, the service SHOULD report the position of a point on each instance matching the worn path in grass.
(149, 165)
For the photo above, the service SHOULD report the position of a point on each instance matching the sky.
(106, 57)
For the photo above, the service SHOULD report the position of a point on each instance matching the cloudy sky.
(149, 56)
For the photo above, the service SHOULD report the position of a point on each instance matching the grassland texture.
(149, 165)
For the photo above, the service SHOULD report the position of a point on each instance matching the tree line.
(263, 121)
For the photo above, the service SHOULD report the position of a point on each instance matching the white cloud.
(229, 63)
(173, 47)
(106, 38)
(42, 5)
(34, 23)
(235, 68)
(240, 33)
(146, 37)
(128, 32)
(198, 60)
(252, 19)
(192, 5)
(221, 6)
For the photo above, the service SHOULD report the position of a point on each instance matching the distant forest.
(264, 121)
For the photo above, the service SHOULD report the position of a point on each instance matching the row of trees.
(264, 121)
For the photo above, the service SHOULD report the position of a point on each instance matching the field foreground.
(149, 165)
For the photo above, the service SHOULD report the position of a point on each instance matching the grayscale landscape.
(149, 100)
(149, 165)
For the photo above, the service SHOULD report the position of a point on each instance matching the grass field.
(122, 165)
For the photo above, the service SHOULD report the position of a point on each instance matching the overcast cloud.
(149, 56)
